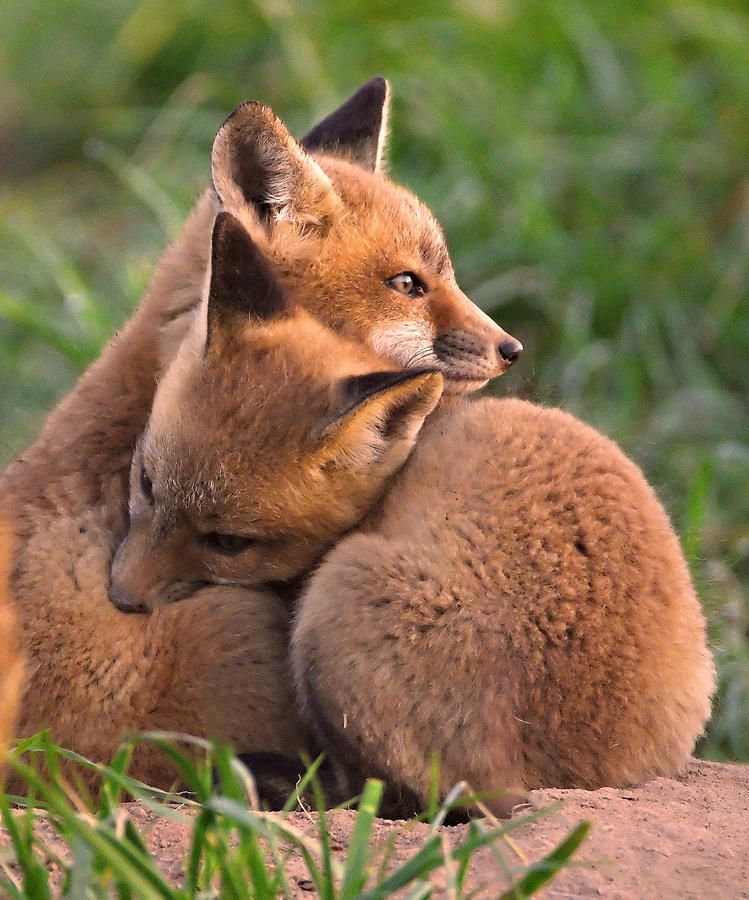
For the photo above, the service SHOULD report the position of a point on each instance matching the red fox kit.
(270, 436)
(93, 674)
(376, 267)
(518, 605)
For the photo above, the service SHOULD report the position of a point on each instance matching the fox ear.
(358, 129)
(242, 285)
(256, 163)
(379, 419)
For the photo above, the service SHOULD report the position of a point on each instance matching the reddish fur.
(519, 605)
(11, 664)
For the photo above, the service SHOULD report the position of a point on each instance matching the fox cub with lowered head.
(269, 437)
(519, 606)
(516, 602)
(351, 247)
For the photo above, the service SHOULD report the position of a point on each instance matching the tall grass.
(72, 842)
(590, 163)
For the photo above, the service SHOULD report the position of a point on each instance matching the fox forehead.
(381, 208)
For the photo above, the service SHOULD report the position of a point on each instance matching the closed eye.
(146, 485)
(227, 544)
(407, 283)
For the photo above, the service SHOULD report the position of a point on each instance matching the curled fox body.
(515, 602)
(519, 606)
(216, 663)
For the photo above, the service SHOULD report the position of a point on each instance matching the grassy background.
(589, 161)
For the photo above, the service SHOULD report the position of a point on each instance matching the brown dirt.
(687, 838)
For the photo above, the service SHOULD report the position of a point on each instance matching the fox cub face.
(262, 427)
(360, 253)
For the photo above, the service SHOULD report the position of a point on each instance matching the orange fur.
(11, 665)
(518, 605)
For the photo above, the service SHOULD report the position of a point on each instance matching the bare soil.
(684, 838)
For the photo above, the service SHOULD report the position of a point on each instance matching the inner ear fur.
(358, 129)
(243, 285)
(379, 412)
(257, 164)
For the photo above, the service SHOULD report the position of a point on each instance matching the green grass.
(235, 850)
(589, 161)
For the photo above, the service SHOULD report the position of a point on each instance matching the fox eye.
(407, 283)
(226, 544)
(146, 485)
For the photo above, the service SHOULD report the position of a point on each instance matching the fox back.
(518, 605)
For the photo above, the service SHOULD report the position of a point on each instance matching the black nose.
(509, 349)
(125, 600)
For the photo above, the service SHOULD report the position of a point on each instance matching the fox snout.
(469, 345)
(144, 577)
(128, 589)
(470, 357)
(124, 598)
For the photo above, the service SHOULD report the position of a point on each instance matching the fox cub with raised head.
(519, 606)
(363, 255)
(346, 241)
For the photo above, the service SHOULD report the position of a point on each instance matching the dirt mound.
(687, 838)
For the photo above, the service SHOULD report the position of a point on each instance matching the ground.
(686, 838)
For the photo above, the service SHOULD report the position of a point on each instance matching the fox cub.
(346, 241)
(516, 602)
(270, 436)
(519, 606)
(360, 253)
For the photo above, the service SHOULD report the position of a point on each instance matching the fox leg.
(392, 670)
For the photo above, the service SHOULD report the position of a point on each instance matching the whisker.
(426, 353)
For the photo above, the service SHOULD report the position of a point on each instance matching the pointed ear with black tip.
(358, 129)
(243, 286)
(257, 164)
(379, 419)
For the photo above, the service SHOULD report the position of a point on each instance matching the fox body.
(216, 664)
(519, 606)
(516, 602)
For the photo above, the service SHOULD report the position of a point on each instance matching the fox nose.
(125, 600)
(509, 349)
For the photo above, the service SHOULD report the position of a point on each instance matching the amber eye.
(146, 485)
(407, 283)
(227, 544)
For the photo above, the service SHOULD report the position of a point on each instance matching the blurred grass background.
(589, 161)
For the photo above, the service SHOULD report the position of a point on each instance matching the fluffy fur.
(94, 674)
(519, 605)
